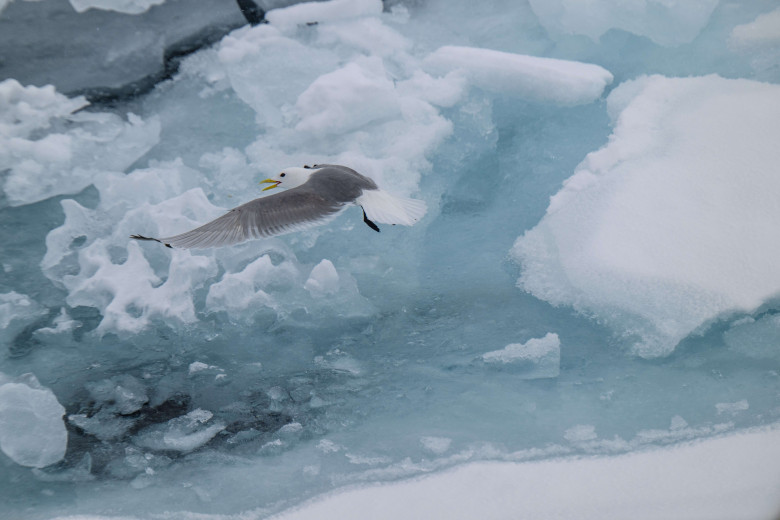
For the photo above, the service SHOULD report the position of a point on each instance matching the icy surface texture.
(32, 432)
(537, 358)
(529, 77)
(652, 232)
(666, 23)
(51, 150)
(235, 382)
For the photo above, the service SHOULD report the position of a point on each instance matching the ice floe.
(671, 224)
(537, 79)
(32, 432)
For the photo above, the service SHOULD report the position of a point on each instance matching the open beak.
(270, 181)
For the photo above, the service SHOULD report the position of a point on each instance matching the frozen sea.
(585, 324)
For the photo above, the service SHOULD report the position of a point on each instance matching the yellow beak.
(270, 181)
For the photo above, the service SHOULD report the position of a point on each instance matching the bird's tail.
(387, 208)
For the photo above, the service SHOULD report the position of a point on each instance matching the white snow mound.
(673, 223)
(537, 79)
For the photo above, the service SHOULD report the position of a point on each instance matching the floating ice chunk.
(126, 289)
(732, 408)
(16, 312)
(348, 98)
(130, 294)
(41, 166)
(121, 6)
(24, 109)
(651, 233)
(186, 433)
(664, 22)
(763, 31)
(32, 432)
(321, 12)
(540, 357)
(323, 280)
(538, 79)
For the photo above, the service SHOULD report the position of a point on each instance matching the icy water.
(246, 379)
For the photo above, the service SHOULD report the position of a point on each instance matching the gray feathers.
(320, 198)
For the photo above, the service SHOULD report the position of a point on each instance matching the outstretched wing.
(276, 214)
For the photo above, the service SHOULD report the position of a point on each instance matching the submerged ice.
(600, 189)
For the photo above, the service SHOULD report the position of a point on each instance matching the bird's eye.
(282, 174)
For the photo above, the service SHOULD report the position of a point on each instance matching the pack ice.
(673, 223)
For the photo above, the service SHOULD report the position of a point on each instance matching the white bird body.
(313, 196)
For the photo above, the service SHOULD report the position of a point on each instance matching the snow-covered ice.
(528, 77)
(32, 432)
(652, 234)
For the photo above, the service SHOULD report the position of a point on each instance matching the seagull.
(314, 195)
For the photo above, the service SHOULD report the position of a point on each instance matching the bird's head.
(291, 177)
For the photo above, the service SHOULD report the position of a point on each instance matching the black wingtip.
(368, 222)
(141, 237)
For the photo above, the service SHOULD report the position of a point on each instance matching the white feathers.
(381, 206)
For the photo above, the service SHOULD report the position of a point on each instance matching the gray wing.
(279, 213)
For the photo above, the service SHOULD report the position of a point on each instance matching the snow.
(724, 478)
(652, 231)
(530, 77)
(666, 23)
(32, 432)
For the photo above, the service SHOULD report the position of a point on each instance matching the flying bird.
(313, 196)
